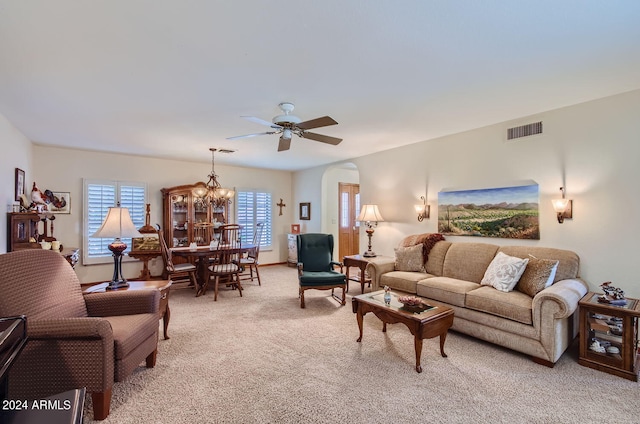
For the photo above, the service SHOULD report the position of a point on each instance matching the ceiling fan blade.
(251, 135)
(320, 137)
(284, 144)
(316, 123)
(261, 121)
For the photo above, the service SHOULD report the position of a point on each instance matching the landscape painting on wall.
(508, 212)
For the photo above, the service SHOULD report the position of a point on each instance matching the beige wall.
(61, 169)
(16, 153)
(591, 148)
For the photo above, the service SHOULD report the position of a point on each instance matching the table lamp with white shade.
(117, 224)
(370, 215)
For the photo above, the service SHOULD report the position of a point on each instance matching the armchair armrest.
(128, 302)
(334, 263)
(70, 328)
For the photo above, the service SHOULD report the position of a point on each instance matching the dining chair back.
(226, 265)
(250, 263)
(177, 273)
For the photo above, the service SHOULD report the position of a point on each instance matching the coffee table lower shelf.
(427, 324)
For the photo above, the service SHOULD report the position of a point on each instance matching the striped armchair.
(74, 340)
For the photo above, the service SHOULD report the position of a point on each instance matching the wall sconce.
(423, 210)
(563, 207)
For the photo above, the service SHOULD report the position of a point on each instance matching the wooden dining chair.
(250, 263)
(177, 273)
(226, 265)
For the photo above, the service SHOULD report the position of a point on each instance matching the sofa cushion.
(468, 261)
(569, 262)
(503, 272)
(514, 305)
(444, 289)
(402, 280)
(538, 275)
(435, 261)
(409, 258)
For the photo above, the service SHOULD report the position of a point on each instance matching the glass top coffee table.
(434, 319)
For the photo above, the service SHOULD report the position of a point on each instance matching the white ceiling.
(169, 78)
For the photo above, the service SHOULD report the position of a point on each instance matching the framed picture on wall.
(61, 202)
(19, 183)
(305, 210)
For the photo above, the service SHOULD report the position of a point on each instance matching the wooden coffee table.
(425, 324)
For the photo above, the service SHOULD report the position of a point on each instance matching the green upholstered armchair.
(316, 266)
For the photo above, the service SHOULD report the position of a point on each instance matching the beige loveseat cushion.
(444, 289)
(468, 261)
(402, 280)
(513, 305)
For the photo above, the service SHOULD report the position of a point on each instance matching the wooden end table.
(361, 262)
(425, 324)
(163, 285)
(611, 326)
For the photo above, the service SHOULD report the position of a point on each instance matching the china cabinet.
(609, 336)
(188, 218)
(22, 230)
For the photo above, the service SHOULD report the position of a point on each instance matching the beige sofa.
(542, 326)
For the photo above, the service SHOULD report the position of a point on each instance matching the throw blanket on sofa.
(428, 240)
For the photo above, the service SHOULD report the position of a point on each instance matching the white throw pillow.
(504, 271)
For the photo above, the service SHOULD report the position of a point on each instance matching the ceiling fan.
(287, 125)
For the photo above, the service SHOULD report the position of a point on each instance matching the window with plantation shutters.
(253, 207)
(99, 196)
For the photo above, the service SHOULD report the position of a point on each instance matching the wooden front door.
(348, 228)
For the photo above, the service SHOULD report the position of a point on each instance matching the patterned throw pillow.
(409, 258)
(538, 275)
(503, 272)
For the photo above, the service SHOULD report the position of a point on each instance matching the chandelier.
(213, 192)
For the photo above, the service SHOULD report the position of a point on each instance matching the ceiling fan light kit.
(288, 124)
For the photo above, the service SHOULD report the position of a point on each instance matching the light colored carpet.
(263, 359)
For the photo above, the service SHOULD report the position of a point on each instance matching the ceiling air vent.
(524, 130)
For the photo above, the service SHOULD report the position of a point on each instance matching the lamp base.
(117, 281)
(369, 254)
(115, 285)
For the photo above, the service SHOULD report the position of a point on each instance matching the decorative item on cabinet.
(22, 230)
(184, 213)
(146, 247)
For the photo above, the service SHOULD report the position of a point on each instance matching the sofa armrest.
(126, 302)
(378, 266)
(69, 328)
(566, 293)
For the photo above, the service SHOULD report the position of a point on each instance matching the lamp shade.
(560, 205)
(370, 213)
(117, 224)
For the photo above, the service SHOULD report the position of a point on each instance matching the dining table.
(202, 255)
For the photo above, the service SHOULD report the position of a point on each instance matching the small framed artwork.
(295, 228)
(61, 202)
(150, 242)
(19, 183)
(305, 211)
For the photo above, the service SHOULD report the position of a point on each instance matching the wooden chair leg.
(301, 297)
(258, 275)
(151, 359)
(238, 283)
(215, 296)
(101, 404)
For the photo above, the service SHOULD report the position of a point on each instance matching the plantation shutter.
(99, 197)
(253, 207)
